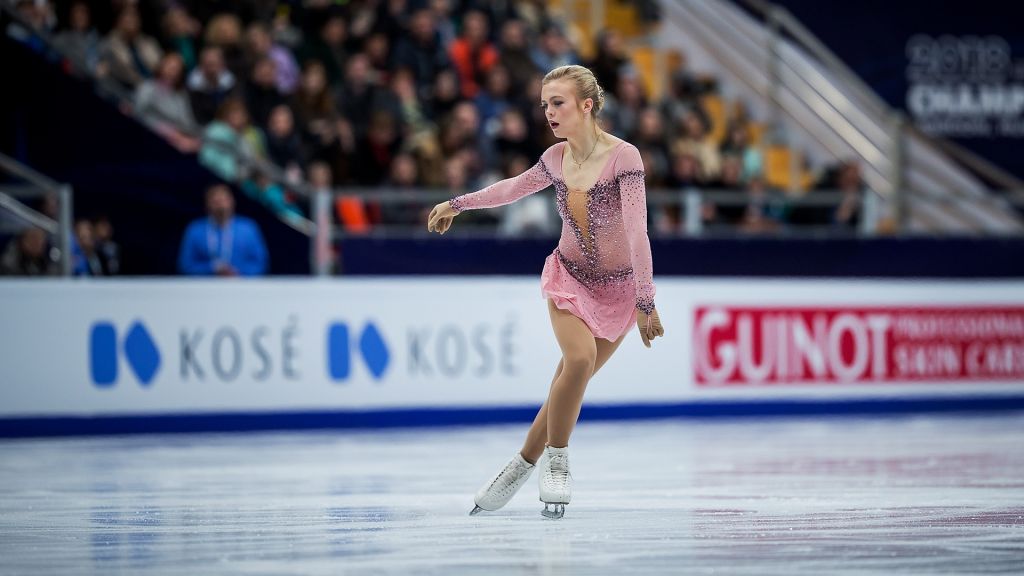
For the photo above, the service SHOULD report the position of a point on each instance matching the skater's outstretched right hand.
(650, 326)
(441, 217)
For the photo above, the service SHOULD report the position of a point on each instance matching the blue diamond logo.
(141, 352)
(374, 350)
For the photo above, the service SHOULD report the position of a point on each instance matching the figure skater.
(597, 282)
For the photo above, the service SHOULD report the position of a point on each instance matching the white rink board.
(264, 345)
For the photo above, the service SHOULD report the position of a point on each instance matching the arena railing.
(830, 108)
(17, 216)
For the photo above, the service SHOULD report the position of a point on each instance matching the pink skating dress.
(602, 270)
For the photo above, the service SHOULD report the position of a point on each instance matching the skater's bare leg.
(579, 358)
(537, 437)
(538, 434)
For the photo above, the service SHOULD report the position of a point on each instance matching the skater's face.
(564, 112)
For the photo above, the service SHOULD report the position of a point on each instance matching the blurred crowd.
(33, 252)
(402, 94)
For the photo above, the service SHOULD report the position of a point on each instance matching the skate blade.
(556, 512)
(476, 510)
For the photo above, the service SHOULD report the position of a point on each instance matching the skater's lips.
(553, 124)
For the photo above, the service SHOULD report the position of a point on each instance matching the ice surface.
(920, 495)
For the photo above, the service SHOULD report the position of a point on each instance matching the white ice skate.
(500, 489)
(555, 482)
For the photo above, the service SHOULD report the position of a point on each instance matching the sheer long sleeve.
(507, 191)
(629, 172)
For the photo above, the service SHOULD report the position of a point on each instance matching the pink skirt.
(608, 309)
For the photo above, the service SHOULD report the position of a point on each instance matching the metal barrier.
(21, 216)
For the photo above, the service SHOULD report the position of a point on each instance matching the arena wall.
(176, 355)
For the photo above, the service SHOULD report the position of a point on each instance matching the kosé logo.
(138, 348)
(371, 347)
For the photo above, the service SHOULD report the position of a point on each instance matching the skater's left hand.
(650, 326)
(441, 217)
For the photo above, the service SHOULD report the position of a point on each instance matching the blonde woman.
(598, 282)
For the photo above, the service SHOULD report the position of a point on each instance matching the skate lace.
(558, 471)
(506, 478)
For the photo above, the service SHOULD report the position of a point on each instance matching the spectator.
(84, 259)
(444, 95)
(851, 186)
(163, 104)
(209, 85)
(426, 147)
(455, 168)
(180, 32)
(493, 100)
(460, 134)
(737, 142)
(515, 53)
(377, 49)
(224, 31)
(729, 180)
(404, 176)
(445, 20)
(844, 178)
(650, 141)
(696, 142)
(37, 16)
(472, 53)
(623, 110)
(284, 147)
(261, 93)
(327, 135)
(610, 59)
(376, 150)
(495, 11)
(422, 52)
(403, 96)
(553, 50)
(230, 143)
(28, 255)
(513, 139)
(222, 243)
(461, 130)
(283, 30)
(534, 14)
(683, 99)
(358, 98)
(260, 44)
(80, 39)
(686, 171)
(328, 48)
(388, 17)
(129, 55)
(730, 177)
(763, 212)
(108, 250)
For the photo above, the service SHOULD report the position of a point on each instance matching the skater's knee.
(579, 363)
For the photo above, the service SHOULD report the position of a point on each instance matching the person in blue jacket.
(222, 243)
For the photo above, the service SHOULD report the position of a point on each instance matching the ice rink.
(898, 495)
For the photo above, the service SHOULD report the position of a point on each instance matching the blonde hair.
(585, 81)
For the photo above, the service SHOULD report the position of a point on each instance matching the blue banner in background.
(956, 68)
